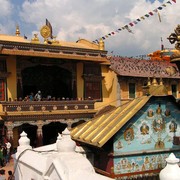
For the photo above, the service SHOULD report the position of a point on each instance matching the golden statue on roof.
(45, 31)
(175, 37)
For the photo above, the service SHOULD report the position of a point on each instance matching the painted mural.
(150, 130)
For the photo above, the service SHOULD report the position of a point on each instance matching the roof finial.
(101, 44)
(161, 81)
(154, 82)
(149, 81)
(17, 30)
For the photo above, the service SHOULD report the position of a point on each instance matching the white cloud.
(92, 19)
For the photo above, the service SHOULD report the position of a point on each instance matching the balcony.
(46, 110)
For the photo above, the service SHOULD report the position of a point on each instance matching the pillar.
(40, 124)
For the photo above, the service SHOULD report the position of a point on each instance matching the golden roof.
(99, 130)
(4, 37)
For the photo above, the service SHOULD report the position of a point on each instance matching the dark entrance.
(50, 80)
(31, 132)
(50, 132)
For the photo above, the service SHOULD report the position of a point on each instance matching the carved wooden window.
(92, 81)
(174, 90)
(3, 66)
(2, 90)
(132, 90)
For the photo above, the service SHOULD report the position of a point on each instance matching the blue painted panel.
(140, 163)
(152, 128)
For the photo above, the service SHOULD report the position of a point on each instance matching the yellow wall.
(80, 81)
(109, 88)
(11, 80)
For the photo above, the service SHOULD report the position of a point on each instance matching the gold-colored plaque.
(45, 32)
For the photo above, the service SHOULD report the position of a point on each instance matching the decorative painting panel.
(150, 132)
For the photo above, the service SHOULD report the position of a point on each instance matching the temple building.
(134, 139)
(76, 81)
(133, 75)
(71, 77)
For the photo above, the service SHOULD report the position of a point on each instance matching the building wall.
(12, 79)
(80, 84)
(147, 139)
(109, 88)
(140, 82)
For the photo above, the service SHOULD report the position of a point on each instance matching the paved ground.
(9, 166)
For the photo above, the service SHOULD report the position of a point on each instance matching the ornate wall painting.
(151, 129)
(132, 164)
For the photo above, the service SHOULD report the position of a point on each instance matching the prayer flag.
(159, 16)
(169, 2)
(50, 27)
(160, 8)
(131, 24)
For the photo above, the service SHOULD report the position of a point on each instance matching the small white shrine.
(58, 161)
(172, 169)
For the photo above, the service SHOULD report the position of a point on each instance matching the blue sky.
(92, 19)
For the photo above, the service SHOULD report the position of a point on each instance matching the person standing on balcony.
(38, 96)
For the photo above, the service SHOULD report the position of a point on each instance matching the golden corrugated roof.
(99, 130)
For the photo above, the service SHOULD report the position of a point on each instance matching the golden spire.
(161, 81)
(101, 44)
(17, 31)
(154, 82)
(149, 81)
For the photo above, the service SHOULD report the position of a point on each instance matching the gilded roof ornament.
(17, 30)
(45, 31)
(175, 37)
(101, 44)
(35, 39)
(154, 82)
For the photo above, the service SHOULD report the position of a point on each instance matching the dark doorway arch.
(50, 80)
(50, 132)
(31, 131)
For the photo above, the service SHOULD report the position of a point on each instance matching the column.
(40, 124)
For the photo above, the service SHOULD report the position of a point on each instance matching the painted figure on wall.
(144, 129)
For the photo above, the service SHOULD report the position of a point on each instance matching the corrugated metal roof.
(99, 130)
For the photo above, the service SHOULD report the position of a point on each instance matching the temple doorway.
(52, 81)
(30, 130)
(50, 132)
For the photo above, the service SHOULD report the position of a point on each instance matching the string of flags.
(133, 23)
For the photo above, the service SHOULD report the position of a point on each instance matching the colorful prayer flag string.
(133, 23)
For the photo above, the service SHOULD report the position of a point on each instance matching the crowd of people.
(5, 155)
(5, 152)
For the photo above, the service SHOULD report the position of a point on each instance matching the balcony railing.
(17, 106)
(46, 110)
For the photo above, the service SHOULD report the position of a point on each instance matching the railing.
(15, 106)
